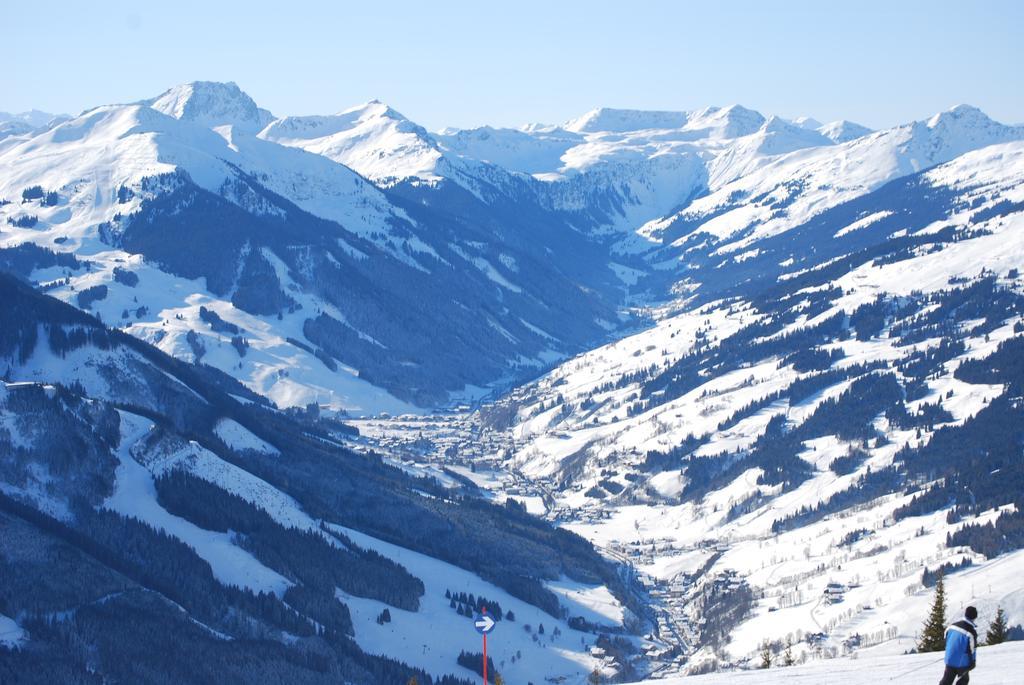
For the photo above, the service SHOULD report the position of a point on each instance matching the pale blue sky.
(509, 63)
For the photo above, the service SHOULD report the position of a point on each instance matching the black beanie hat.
(971, 613)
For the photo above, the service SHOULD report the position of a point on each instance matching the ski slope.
(519, 652)
(135, 495)
(998, 665)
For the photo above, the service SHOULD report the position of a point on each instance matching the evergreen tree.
(933, 636)
(787, 656)
(595, 677)
(997, 629)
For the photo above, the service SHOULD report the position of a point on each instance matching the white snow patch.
(135, 495)
(238, 437)
(11, 634)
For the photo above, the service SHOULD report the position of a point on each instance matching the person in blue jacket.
(961, 649)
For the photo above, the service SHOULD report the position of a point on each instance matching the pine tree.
(595, 677)
(997, 629)
(787, 656)
(933, 636)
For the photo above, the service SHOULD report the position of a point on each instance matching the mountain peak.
(961, 115)
(371, 109)
(776, 123)
(625, 120)
(807, 122)
(843, 131)
(733, 121)
(780, 135)
(212, 103)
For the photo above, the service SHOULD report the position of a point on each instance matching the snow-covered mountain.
(33, 118)
(578, 214)
(788, 190)
(313, 269)
(24, 123)
(613, 169)
(770, 367)
(843, 131)
(372, 138)
(212, 104)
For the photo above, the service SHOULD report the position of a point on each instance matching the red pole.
(485, 650)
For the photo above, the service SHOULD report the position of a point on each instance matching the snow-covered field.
(998, 665)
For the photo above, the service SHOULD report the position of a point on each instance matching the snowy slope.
(805, 182)
(90, 158)
(134, 495)
(520, 654)
(998, 665)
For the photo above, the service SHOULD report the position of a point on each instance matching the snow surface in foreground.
(999, 665)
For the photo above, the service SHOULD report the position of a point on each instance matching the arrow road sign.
(484, 624)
